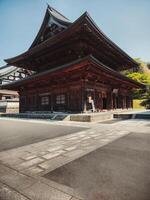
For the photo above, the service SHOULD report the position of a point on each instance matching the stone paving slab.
(60, 123)
(14, 179)
(17, 134)
(119, 170)
(53, 154)
(8, 194)
(40, 191)
(52, 164)
(29, 163)
(64, 188)
(24, 187)
(40, 158)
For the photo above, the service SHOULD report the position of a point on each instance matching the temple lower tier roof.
(71, 68)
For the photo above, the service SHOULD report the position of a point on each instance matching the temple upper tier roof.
(59, 41)
(53, 23)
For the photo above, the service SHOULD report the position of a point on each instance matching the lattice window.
(60, 99)
(44, 100)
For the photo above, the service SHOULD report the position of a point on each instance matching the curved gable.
(53, 23)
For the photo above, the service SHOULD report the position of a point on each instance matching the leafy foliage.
(142, 64)
(148, 66)
(140, 77)
(146, 102)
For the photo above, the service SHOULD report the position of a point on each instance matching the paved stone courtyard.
(22, 169)
(118, 170)
(14, 134)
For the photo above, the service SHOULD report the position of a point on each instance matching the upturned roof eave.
(57, 37)
(7, 71)
(44, 43)
(63, 18)
(40, 30)
(89, 58)
(117, 73)
(45, 20)
(109, 41)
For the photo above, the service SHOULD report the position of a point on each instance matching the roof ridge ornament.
(56, 11)
(58, 19)
(48, 6)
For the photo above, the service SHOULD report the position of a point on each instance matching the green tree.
(140, 77)
(146, 102)
(148, 66)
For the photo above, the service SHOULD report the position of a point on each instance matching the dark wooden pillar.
(52, 101)
(109, 100)
(131, 102)
(121, 102)
(127, 102)
(83, 96)
(114, 101)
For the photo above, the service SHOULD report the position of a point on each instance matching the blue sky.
(126, 22)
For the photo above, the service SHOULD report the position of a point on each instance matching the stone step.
(89, 117)
(28, 116)
(145, 116)
(142, 116)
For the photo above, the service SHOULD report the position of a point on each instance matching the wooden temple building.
(12, 73)
(77, 68)
(9, 74)
(9, 99)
